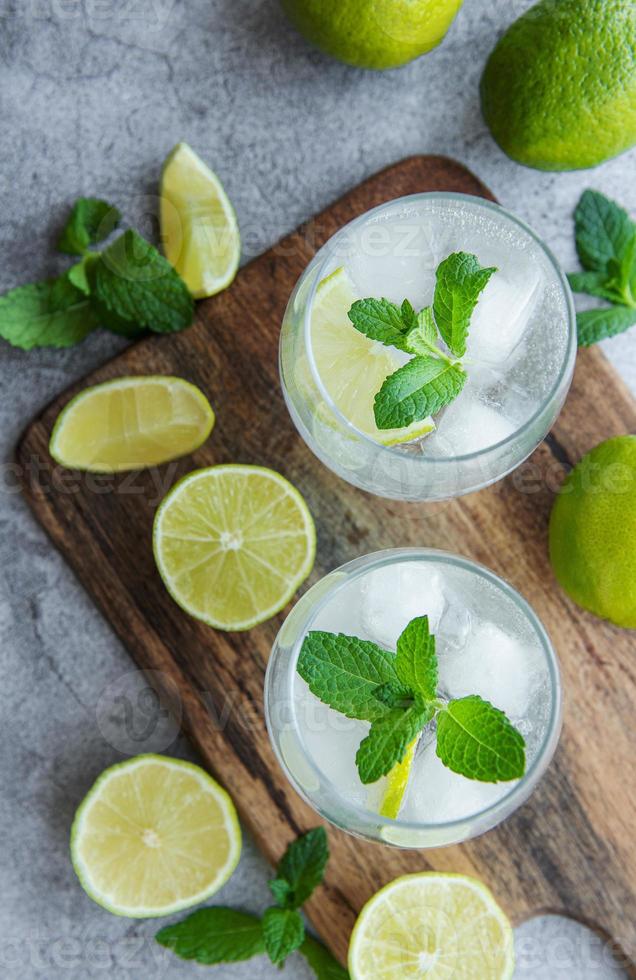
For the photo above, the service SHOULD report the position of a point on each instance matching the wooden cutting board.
(571, 847)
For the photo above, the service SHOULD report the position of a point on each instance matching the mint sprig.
(433, 378)
(223, 935)
(474, 738)
(129, 288)
(606, 246)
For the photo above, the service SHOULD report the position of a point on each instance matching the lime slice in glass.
(351, 366)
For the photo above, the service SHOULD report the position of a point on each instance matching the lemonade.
(489, 644)
(518, 361)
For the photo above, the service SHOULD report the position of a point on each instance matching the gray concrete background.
(93, 94)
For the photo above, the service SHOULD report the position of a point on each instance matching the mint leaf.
(91, 221)
(380, 320)
(215, 935)
(395, 695)
(626, 272)
(459, 281)
(283, 931)
(603, 231)
(134, 284)
(418, 389)
(324, 965)
(422, 338)
(594, 284)
(476, 740)
(52, 313)
(389, 738)
(282, 892)
(344, 672)
(302, 867)
(416, 660)
(595, 325)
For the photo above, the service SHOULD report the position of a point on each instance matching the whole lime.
(593, 532)
(373, 33)
(559, 89)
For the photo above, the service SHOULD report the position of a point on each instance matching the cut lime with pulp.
(199, 229)
(397, 783)
(233, 544)
(153, 836)
(435, 926)
(351, 366)
(129, 423)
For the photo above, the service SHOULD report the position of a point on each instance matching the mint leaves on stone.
(606, 246)
(222, 935)
(91, 221)
(432, 378)
(129, 288)
(398, 694)
(51, 313)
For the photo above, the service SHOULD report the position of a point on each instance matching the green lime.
(593, 532)
(154, 835)
(373, 33)
(559, 90)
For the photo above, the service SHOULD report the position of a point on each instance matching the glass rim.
(567, 365)
(367, 818)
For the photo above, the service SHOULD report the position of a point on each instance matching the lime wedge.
(130, 423)
(154, 835)
(199, 229)
(233, 543)
(351, 366)
(396, 784)
(435, 926)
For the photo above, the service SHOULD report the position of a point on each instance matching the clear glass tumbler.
(489, 642)
(520, 357)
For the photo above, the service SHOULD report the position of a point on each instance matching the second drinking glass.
(519, 356)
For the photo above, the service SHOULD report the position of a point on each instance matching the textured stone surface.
(93, 94)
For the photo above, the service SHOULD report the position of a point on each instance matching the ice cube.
(394, 595)
(341, 614)
(436, 794)
(466, 426)
(332, 741)
(393, 259)
(502, 314)
(496, 666)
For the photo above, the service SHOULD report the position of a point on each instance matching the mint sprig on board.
(128, 288)
(398, 694)
(606, 246)
(222, 935)
(432, 378)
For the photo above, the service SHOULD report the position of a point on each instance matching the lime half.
(154, 835)
(351, 366)
(199, 229)
(129, 423)
(233, 543)
(435, 926)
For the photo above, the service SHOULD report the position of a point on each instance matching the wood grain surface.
(570, 848)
